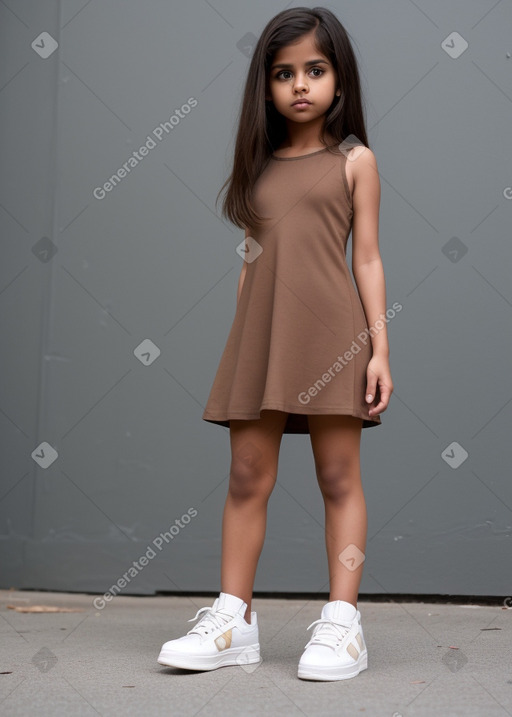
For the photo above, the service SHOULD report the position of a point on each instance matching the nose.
(300, 84)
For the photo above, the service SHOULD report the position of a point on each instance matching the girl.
(307, 352)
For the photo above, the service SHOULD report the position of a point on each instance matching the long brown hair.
(261, 129)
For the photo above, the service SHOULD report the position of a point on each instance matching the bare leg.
(254, 460)
(336, 447)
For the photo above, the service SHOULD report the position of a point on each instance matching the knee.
(337, 479)
(248, 481)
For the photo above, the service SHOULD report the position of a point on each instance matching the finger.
(371, 389)
(385, 395)
(379, 408)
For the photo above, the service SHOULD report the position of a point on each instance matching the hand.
(378, 378)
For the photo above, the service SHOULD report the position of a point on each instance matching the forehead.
(299, 52)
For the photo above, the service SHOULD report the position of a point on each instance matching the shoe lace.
(328, 632)
(210, 621)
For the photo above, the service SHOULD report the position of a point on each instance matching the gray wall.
(85, 280)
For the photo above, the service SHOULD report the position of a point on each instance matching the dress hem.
(297, 418)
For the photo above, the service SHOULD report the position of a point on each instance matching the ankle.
(350, 602)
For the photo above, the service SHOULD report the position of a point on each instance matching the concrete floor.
(423, 660)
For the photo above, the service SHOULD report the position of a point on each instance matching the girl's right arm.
(242, 274)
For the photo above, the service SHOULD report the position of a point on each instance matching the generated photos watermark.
(343, 360)
(159, 133)
(138, 565)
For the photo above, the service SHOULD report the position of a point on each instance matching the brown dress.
(299, 341)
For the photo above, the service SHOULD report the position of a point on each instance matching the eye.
(288, 72)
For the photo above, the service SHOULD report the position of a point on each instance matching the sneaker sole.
(317, 672)
(247, 655)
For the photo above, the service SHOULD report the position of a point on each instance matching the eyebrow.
(307, 64)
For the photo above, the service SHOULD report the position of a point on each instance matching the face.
(301, 71)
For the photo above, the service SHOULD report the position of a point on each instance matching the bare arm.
(369, 275)
(366, 260)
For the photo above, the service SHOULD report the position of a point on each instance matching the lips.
(301, 102)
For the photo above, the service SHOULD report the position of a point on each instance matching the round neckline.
(302, 156)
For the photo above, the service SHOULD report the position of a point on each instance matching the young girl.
(307, 353)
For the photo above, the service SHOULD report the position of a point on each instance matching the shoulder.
(361, 159)
(361, 168)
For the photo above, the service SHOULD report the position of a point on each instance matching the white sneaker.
(336, 650)
(221, 637)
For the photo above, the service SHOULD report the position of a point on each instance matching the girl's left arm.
(368, 273)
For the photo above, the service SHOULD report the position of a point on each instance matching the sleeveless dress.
(299, 341)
